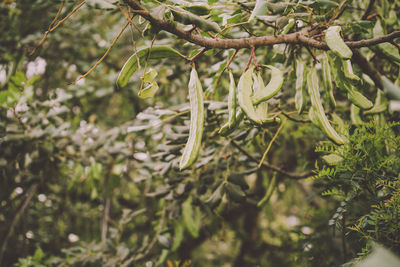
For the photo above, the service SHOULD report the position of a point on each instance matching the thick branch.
(299, 37)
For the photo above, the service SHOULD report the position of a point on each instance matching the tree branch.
(299, 37)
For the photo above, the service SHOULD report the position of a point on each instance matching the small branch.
(50, 27)
(29, 194)
(198, 55)
(270, 143)
(299, 37)
(104, 56)
(295, 176)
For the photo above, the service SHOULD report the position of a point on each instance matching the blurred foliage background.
(89, 171)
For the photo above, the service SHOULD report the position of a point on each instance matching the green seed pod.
(272, 87)
(357, 98)
(355, 115)
(132, 64)
(327, 78)
(300, 97)
(188, 18)
(244, 95)
(348, 71)
(336, 43)
(192, 147)
(318, 110)
(381, 104)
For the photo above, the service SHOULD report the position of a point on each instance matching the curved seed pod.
(272, 87)
(332, 159)
(193, 144)
(313, 117)
(244, 95)
(300, 97)
(357, 98)
(327, 78)
(131, 65)
(231, 99)
(355, 115)
(188, 18)
(318, 110)
(227, 128)
(152, 87)
(149, 91)
(380, 105)
(348, 71)
(198, 9)
(336, 43)
(191, 218)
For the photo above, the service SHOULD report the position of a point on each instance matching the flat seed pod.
(260, 9)
(132, 64)
(188, 18)
(227, 128)
(271, 89)
(149, 91)
(244, 95)
(355, 115)
(357, 98)
(336, 43)
(192, 147)
(327, 78)
(392, 90)
(348, 71)
(300, 97)
(381, 104)
(318, 110)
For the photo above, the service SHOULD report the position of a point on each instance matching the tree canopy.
(199, 133)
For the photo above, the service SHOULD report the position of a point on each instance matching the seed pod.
(132, 64)
(244, 95)
(318, 110)
(227, 128)
(300, 97)
(327, 78)
(381, 104)
(348, 71)
(198, 9)
(191, 218)
(355, 115)
(152, 86)
(231, 99)
(357, 98)
(336, 43)
(238, 179)
(188, 18)
(192, 148)
(390, 89)
(272, 87)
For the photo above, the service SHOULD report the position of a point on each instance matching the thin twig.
(50, 26)
(129, 19)
(271, 142)
(198, 54)
(104, 56)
